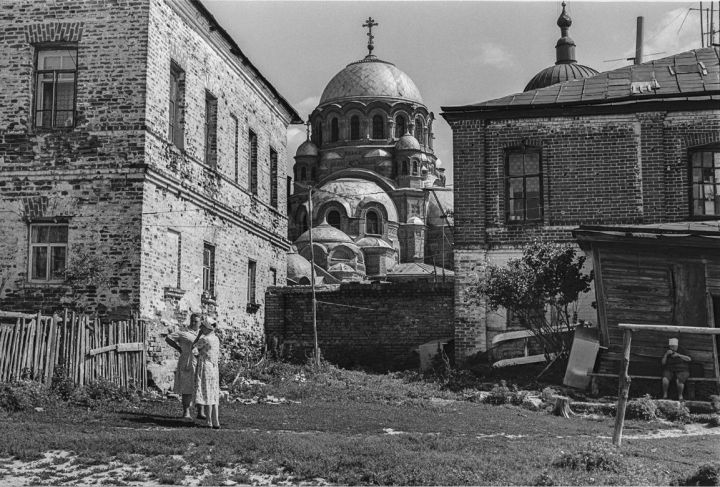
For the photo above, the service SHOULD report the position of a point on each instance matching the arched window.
(313, 174)
(303, 173)
(378, 127)
(400, 126)
(334, 130)
(419, 130)
(373, 223)
(333, 218)
(404, 167)
(415, 168)
(355, 128)
(317, 132)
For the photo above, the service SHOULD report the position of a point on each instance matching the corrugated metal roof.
(688, 75)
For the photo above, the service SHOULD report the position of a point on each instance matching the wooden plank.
(39, 326)
(531, 359)
(143, 328)
(700, 330)
(106, 348)
(50, 365)
(711, 324)
(12, 314)
(5, 332)
(129, 347)
(623, 389)
(81, 350)
(649, 377)
(600, 297)
(19, 350)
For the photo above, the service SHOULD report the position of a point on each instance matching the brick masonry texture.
(119, 182)
(623, 168)
(389, 322)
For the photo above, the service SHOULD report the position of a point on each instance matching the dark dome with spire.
(566, 67)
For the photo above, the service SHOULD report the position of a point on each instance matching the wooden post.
(623, 389)
(711, 324)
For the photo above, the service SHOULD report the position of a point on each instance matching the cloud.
(307, 105)
(494, 55)
(676, 32)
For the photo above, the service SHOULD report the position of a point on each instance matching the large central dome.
(370, 78)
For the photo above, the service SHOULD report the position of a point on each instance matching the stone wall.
(627, 168)
(376, 326)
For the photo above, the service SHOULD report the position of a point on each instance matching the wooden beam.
(623, 389)
(699, 330)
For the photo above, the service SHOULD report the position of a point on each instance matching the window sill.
(40, 284)
(173, 292)
(252, 308)
(207, 298)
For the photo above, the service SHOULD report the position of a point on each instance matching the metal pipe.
(639, 41)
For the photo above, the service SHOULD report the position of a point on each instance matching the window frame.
(378, 127)
(49, 253)
(379, 222)
(253, 162)
(507, 183)
(178, 263)
(252, 282)
(235, 123)
(355, 127)
(714, 151)
(176, 127)
(37, 72)
(208, 269)
(398, 132)
(334, 130)
(274, 193)
(211, 130)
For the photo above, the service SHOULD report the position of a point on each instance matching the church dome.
(324, 233)
(373, 242)
(307, 148)
(370, 78)
(566, 67)
(407, 142)
(298, 267)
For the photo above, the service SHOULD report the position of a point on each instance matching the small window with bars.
(55, 87)
(523, 183)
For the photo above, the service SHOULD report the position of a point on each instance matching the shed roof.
(684, 233)
(690, 75)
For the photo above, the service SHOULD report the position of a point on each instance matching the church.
(368, 182)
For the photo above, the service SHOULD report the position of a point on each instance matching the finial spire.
(307, 129)
(565, 47)
(370, 23)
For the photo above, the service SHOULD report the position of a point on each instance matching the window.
(253, 156)
(705, 167)
(419, 129)
(400, 126)
(303, 173)
(333, 218)
(523, 186)
(172, 259)
(56, 83)
(273, 178)
(317, 133)
(378, 127)
(405, 167)
(273, 276)
(251, 284)
(235, 125)
(48, 252)
(373, 223)
(177, 98)
(209, 269)
(313, 173)
(354, 127)
(210, 130)
(415, 170)
(334, 130)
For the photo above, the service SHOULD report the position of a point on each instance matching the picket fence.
(84, 347)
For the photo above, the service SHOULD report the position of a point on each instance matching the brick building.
(636, 145)
(138, 143)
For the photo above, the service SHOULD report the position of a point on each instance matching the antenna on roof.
(638, 58)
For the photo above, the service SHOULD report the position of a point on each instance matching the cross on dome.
(370, 23)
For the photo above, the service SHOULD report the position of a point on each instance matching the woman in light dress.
(207, 376)
(183, 341)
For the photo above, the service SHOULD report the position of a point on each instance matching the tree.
(541, 289)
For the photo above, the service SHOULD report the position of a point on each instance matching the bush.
(240, 345)
(543, 479)
(24, 395)
(595, 456)
(708, 474)
(62, 384)
(548, 394)
(104, 392)
(644, 408)
(674, 411)
(714, 421)
(499, 394)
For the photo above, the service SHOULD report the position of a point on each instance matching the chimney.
(639, 42)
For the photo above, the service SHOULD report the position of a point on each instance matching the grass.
(339, 432)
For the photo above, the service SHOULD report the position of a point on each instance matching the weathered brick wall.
(597, 169)
(87, 176)
(375, 326)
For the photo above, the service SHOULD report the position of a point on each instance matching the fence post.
(623, 389)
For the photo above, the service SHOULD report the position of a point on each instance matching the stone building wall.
(89, 177)
(374, 326)
(623, 168)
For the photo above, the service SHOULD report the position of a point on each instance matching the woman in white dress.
(183, 341)
(207, 376)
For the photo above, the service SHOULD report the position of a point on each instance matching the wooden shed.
(662, 274)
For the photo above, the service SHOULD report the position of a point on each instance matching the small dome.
(297, 266)
(328, 156)
(370, 78)
(373, 242)
(324, 233)
(407, 142)
(307, 148)
(559, 73)
(413, 220)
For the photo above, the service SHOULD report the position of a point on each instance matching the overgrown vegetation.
(541, 290)
(592, 457)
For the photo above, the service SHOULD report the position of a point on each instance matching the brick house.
(137, 139)
(636, 145)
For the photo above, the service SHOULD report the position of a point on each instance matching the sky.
(457, 53)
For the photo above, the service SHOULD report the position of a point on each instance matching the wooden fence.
(86, 348)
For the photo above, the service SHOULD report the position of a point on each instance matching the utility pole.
(312, 278)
